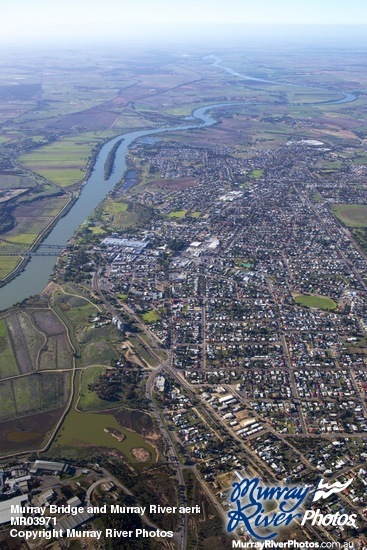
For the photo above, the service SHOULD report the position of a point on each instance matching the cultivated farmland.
(8, 366)
(25, 340)
(63, 162)
(33, 218)
(57, 353)
(33, 394)
(33, 341)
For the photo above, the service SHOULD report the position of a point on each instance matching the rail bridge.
(40, 250)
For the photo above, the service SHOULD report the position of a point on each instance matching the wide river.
(346, 98)
(38, 270)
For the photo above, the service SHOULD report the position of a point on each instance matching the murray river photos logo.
(262, 510)
(324, 490)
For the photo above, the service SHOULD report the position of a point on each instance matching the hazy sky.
(40, 20)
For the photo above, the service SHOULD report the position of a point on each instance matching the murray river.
(38, 270)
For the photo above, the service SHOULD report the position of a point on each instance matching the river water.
(37, 272)
(346, 98)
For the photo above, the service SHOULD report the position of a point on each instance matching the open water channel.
(36, 274)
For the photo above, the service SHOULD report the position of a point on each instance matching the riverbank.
(26, 257)
(73, 197)
(34, 275)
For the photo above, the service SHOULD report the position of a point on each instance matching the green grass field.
(89, 400)
(86, 429)
(7, 408)
(352, 215)
(177, 214)
(142, 352)
(24, 238)
(319, 302)
(97, 345)
(63, 162)
(97, 230)
(256, 174)
(8, 365)
(114, 207)
(100, 345)
(118, 215)
(151, 316)
(77, 308)
(7, 264)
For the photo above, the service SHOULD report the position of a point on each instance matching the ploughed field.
(33, 341)
(35, 372)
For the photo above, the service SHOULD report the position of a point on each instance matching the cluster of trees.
(78, 267)
(123, 384)
(156, 485)
(177, 245)
(7, 220)
(106, 388)
(110, 160)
